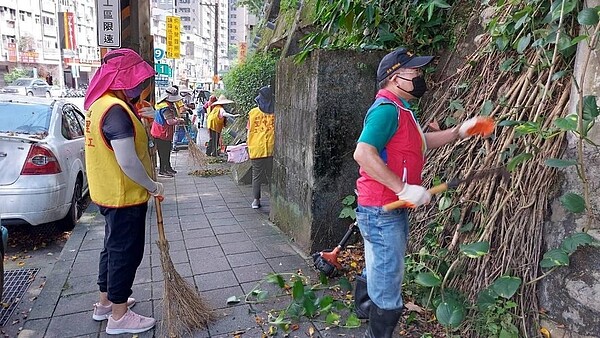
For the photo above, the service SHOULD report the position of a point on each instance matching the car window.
(80, 116)
(71, 126)
(25, 118)
(41, 83)
(22, 82)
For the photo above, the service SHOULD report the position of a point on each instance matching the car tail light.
(40, 161)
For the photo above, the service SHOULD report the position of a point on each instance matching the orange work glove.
(480, 125)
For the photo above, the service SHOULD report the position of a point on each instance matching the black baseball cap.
(400, 58)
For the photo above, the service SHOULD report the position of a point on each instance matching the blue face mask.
(134, 92)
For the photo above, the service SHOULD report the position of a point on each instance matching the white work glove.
(159, 191)
(146, 112)
(480, 125)
(414, 195)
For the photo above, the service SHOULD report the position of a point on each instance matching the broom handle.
(159, 216)
(159, 219)
(399, 203)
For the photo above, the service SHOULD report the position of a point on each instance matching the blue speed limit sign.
(159, 53)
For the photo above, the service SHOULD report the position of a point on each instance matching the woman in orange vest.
(261, 140)
(216, 123)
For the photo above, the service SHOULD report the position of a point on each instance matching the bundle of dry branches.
(511, 215)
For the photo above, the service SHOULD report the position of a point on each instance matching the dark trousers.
(213, 143)
(164, 154)
(262, 168)
(201, 117)
(124, 238)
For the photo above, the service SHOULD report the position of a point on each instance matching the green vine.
(318, 301)
(357, 24)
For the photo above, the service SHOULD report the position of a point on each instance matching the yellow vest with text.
(215, 122)
(108, 184)
(261, 134)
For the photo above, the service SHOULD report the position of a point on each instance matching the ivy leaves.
(243, 80)
(352, 24)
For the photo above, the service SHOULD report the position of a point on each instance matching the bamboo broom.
(196, 154)
(184, 311)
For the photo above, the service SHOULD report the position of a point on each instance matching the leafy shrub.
(244, 80)
(15, 74)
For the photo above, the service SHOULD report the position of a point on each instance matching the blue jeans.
(385, 236)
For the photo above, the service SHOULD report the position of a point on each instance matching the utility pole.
(216, 42)
(135, 34)
(216, 56)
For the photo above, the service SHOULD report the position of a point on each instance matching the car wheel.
(29, 93)
(76, 209)
(48, 95)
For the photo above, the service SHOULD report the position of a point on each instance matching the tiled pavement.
(217, 242)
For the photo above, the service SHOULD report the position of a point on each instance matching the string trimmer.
(327, 261)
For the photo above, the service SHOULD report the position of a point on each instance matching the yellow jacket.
(261, 134)
(214, 121)
(109, 186)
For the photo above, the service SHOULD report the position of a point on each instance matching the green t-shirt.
(380, 126)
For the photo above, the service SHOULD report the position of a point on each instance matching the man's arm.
(437, 139)
(369, 160)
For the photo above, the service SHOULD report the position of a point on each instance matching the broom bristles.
(184, 311)
(196, 154)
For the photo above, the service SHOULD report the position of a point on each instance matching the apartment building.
(196, 65)
(241, 23)
(34, 34)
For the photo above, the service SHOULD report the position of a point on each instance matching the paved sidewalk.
(217, 242)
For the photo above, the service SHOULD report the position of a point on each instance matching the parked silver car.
(29, 87)
(42, 165)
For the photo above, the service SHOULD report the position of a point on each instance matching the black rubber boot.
(362, 302)
(382, 322)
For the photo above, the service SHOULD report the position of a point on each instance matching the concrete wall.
(571, 295)
(320, 106)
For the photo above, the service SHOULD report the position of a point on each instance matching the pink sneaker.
(102, 312)
(131, 322)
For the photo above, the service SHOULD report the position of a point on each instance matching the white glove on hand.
(159, 191)
(146, 112)
(414, 195)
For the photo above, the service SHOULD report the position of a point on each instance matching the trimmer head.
(326, 261)
(323, 265)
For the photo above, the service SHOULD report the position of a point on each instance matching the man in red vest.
(391, 153)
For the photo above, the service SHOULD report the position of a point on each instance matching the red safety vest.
(404, 154)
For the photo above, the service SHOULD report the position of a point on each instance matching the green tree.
(244, 80)
(253, 6)
(15, 74)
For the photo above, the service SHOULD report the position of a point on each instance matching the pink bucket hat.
(121, 69)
